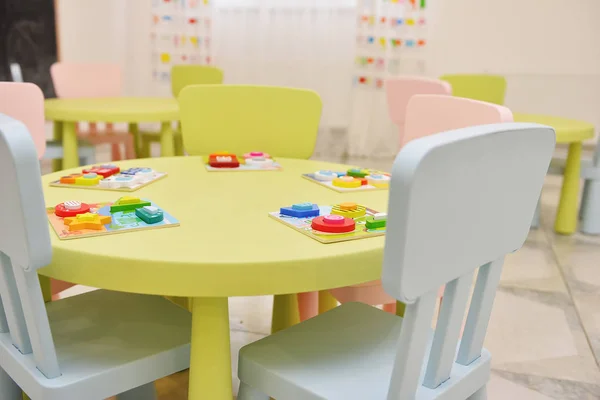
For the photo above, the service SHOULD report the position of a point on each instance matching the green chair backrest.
(281, 121)
(482, 87)
(184, 75)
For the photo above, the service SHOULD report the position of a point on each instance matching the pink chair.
(400, 90)
(73, 80)
(427, 115)
(25, 102)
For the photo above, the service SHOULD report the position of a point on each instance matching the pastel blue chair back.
(443, 225)
(24, 247)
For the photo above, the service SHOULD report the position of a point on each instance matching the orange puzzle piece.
(87, 221)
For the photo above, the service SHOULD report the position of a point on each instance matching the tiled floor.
(544, 334)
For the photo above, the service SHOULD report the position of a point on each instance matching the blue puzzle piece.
(301, 210)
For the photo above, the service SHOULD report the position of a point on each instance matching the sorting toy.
(87, 221)
(73, 219)
(128, 203)
(252, 161)
(255, 154)
(150, 214)
(354, 179)
(223, 160)
(71, 208)
(110, 177)
(376, 221)
(105, 170)
(331, 224)
(301, 210)
(347, 182)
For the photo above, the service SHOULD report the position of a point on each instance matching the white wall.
(549, 50)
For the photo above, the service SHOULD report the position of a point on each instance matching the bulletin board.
(181, 34)
(391, 39)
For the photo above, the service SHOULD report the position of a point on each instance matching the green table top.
(567, 130)
(115, 109)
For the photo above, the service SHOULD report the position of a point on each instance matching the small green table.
(66, 113)
(574, 133)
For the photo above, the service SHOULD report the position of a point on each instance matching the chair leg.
(308, 305)
(481, 394)
(146, 148)
(390, 308)
(590, 222)
(116, 152)
(130, 153)
(247, 392)
(178, 142)
(144, 392)
(8, 388)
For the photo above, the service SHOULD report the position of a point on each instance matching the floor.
(544, 334)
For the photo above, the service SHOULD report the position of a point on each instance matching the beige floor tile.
(504, 389)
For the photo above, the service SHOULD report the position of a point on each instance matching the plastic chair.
(90, 346)
(73, 80)
(455, 207)
(182, 76)
(427, 115)
(400, 90)
(25, 102)
(490, 88)
(240, 118)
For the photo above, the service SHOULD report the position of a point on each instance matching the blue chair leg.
(144, 392)
(589, 211)
(8, 388)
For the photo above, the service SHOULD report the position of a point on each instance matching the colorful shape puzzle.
(100, 219)
(252, 161)
(329, 226)
(110, 177)
(352, 180)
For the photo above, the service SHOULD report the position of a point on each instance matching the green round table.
(227, 245)
(66, 113)
(573, 132)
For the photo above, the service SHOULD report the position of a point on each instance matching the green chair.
(181, 76)
(241, 118)
(488, 88)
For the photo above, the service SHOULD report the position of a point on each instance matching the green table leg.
(57, 134)
(137, 140)
(69, 140)
(167, 148)
(326, 301)
(210, 363)
(566, 216)
(285, 312)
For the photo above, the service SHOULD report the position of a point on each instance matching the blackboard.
(28, 38)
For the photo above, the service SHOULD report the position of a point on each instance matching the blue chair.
(455, 207)
(91, 346)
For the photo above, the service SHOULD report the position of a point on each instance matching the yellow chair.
(181, 76)
(241, 118)
(488, 88)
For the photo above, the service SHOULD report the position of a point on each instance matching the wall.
(549, 50)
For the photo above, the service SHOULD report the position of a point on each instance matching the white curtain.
(391, 40)
(297, 43)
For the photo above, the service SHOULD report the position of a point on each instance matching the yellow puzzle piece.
(87, 221)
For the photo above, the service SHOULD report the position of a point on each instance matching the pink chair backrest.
(73, 80)
(400, 90)
(25, 102)
(429, 114)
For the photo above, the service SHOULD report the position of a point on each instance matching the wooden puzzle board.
(329, 185)
(303, 225)
(122, 222)
(133, 188)
(243, 167)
